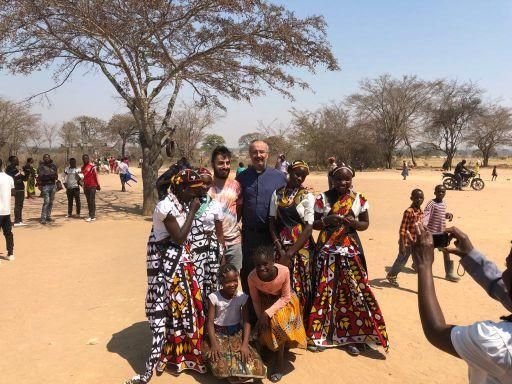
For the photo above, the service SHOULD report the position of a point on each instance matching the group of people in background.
(211, 233)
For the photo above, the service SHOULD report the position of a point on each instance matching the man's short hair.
(221, 150)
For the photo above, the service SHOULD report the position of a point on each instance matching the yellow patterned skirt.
(286, 327)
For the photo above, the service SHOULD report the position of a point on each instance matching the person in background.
(124, 173)
(112, 164)
(72, 183)
(6, 191)
(31, 171)
(460, 170)
(91, 185)
(282, 164)
(331, 167)
(47, 177)
(227, 193)
(485, 345)
(240, 169)
(19, 186)
(411, 216)
(140, 162)
(434, 216)
(405, 170)
(476, 168)
(494, 173)
(257, 183)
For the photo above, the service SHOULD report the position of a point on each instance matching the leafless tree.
(276, 135)
(390, 106)
(17, 124)
(245, 140)
(50, 133)
(450, 115)
(191, 122)
(93, 132)
(69, 133)
(123, 129)
(492, 128)
(149, 49)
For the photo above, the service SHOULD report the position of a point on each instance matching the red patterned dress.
(293, 209)
(344, 309)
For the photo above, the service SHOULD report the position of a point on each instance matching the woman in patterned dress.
(207, 240)
(291, 225)
(344, 311)
(173, 300)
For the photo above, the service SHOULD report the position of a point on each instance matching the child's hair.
(240, 164)
(267, 251)
(225, 268)
(438, 187)
(415, 191)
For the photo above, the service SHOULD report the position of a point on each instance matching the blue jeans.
(401, 259)
(48, 192)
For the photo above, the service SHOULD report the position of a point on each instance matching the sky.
(457, 39)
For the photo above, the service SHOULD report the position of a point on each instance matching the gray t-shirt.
(71, 177)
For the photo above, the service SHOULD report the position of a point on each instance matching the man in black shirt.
(19, 185)
(460, 169)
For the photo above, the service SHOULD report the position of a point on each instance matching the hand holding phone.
(441, 240)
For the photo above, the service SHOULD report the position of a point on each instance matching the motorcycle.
(468, 179)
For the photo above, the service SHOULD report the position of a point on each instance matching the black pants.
(6, 225)
(19, 197)
(90, 195)
(250, 241)
(73, 193)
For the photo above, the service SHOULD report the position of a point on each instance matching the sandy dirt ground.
(72, 303)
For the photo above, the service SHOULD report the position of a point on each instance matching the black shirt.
(460, 168)
(18, 177)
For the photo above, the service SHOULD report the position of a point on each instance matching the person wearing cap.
(291, 227)
(257, 184)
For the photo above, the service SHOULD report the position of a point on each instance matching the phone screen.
(441, 240)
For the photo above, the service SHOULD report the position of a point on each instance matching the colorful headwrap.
(300, 164)
(187, 177)
(204, 171)
(344, 166)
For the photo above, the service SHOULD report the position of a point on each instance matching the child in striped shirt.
(434, 218)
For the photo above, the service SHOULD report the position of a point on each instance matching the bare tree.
(245, 140)
(50, 133)
(17, 125)
(390, 106)
(123, 129)
(69, 133)
(276, 135)
(450, 115)
(147, 49)
(492, 128)
(191, 124)
(93, 132)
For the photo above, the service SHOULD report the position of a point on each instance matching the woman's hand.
(245, 353)
(214, 353)
(332, 221)
(350, 221)
(195, 204)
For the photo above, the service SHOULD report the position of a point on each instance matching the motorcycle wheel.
(477, 184)
(449, 183)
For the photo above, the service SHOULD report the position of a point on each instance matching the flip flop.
(275, 377)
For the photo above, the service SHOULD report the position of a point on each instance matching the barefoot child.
(434, 217)
(228, 353)
(412, 215)
(277, 308)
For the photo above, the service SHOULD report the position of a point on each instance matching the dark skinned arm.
(214, 345)
(437, 332)
(244, 347)
(362, 222)
(179, 234)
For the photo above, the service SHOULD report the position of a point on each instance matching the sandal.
(275, 377)
(392, 280)
(352, 350)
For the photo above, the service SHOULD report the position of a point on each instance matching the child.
(434, 217)
(405, 170)
(277, 308)
(494, 174)
(228, 352)
(412, 215)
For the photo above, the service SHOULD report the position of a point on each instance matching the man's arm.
(437, 332)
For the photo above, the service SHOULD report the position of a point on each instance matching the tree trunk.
(449, 160)
(411, 151)
(123, 147)
(151, 161)
(486, 155)
(389, 159)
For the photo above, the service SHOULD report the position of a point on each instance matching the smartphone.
(441, 240)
